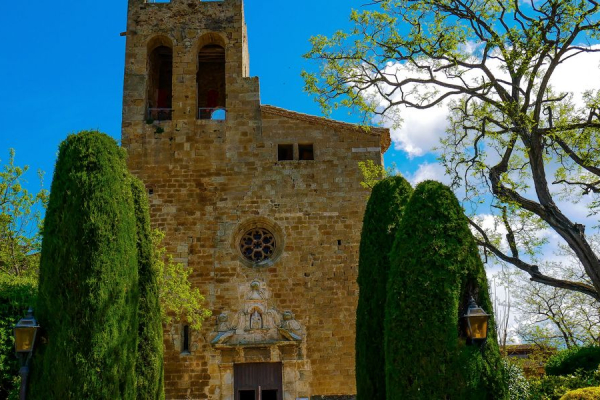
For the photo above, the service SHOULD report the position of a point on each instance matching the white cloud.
(428, 171)
(421, 130)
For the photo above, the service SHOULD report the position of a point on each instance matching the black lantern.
(476, 322)
(25, 334)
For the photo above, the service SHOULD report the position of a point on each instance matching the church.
(264, 205)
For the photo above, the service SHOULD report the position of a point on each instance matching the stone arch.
(211, 76)
(159, 78)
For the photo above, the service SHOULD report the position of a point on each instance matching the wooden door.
(258, 381)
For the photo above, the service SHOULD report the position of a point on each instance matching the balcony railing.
(160, 114)
(215, 114)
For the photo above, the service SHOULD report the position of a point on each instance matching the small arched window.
(160, 84)
(211, 82)
(185, 340)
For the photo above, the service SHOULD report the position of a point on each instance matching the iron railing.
(160, 114)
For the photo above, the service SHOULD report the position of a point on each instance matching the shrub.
(591, 393)
(149, 364)
(570, 360)
(518, 385)
(554, 387)
(17, 294)
(381, 219)
(435, 267)
(88, 284)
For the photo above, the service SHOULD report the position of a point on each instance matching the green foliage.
(504, 135)
(435, 268)
(179, 301)
(590, 393)
(371, 173)
(17, 294)
(518, 385)
(149, 363)
(551, 387)
(88, 285)
(381, 219)
(569, 361)
(20, 220)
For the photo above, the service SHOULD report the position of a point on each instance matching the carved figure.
(224, 329)
(256, 321)
(290, 328)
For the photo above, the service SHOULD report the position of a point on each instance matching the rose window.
(257, 245)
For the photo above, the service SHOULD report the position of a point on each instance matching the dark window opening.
(247, 395)
(306, 152)
(160, 84)
(211, 82)
(185, 343)
(285, 152)
(268, 395)
(339, 242)
(150, 191)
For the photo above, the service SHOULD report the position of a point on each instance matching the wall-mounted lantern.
(476, 322)
(25, 334)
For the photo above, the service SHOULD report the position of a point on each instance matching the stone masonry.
(215, 184)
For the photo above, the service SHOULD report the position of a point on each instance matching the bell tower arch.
(185, 61)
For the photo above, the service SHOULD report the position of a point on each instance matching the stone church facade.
(263, 204)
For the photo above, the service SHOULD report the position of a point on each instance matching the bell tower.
(186, 61)
(263, 205)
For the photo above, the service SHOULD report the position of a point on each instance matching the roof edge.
(383, 133)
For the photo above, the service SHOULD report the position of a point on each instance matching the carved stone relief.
(256, 322)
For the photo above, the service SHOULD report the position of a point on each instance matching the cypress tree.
(149, 365)
(88, 286)
(381, 219)
(435, 268)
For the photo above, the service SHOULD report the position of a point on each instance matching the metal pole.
(24, 373)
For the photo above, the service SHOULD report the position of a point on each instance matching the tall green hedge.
(382, 217)
(435, 267)
(569, 361)
(149, 365)
(17, 294)
(88, 287)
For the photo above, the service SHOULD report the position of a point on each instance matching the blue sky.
(62, 68)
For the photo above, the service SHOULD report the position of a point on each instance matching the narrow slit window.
(185, 343)
(285, 152)
(306, 152)
(160, 84)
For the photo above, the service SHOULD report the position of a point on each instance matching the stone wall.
(211, 181)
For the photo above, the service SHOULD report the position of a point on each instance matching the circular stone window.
(258, 241)
(258, 245)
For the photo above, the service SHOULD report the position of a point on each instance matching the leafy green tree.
(381, 219)
(372, 173)
(510, 133)
(179, 300)
(435, 269)
(17, 294)
(149, 363)
(88, 284)
(20, 242)
(20, 220)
